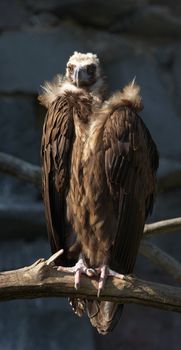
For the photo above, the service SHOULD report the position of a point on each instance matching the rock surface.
(12, 14)
(150, 21)
(18, 133)
(177, 77)
(159, 111)
(37, 55)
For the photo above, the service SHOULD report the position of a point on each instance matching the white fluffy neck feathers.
(129, 96)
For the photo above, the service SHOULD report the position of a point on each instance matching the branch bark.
(163, 226)
(156, 255)
(162, 259)
(43, 280)
(21, 169)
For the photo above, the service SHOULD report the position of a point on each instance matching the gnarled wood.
(161, 259)
(42, 280)
(20, 169)
(162, 226)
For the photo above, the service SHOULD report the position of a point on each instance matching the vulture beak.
(81, 77)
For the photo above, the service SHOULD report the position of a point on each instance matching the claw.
(115, 274)
(105, 271)
(91, 272)
(102, 279)
(79, 269)
(77, 279)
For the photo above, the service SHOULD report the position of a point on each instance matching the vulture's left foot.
(104, 271)
(79, 269)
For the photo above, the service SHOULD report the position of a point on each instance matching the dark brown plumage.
(99, 166)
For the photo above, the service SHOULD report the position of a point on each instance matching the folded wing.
(131, 161)
(57, 141)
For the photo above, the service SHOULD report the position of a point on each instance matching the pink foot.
(104, 272)
(79, 269)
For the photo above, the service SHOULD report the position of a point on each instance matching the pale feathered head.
(82, 72)
(83, 69)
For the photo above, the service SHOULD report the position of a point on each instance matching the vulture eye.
(91, 68)
(70, 68)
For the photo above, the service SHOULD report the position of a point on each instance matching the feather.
(99, 167)
(130, 97)
(130, 175)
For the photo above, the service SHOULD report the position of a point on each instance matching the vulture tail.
(104, 315)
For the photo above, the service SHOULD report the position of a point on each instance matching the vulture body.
(99, 177)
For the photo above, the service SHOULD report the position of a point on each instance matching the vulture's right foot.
(79, 269)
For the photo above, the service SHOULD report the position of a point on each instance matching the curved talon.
(102, 278)
(77, 279)
(81, 268)
(91, 272)
(105, 271)
(115, 274)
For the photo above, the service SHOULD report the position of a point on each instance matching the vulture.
(99, 166)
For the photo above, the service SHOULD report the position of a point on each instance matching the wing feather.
(131, 161)
(57, 141)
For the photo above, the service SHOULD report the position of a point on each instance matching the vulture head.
(83, 71)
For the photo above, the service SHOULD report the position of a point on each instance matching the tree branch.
(162, 226)
(161, 259)
(21, 169)
(43, 280)
(156, 255)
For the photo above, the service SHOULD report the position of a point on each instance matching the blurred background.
(132, 38)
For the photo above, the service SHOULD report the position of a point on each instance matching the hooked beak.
(80, 77)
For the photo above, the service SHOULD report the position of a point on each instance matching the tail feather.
(78, 306)
(104, 315)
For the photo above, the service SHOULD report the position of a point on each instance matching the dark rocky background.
(132, 38)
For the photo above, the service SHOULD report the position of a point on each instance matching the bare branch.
(21, 169)
(42, 280)
(54, 257)
(162, 226)
(158, 256)
(161, 259)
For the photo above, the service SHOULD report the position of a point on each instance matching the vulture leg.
(79, 269)
(104, 272)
